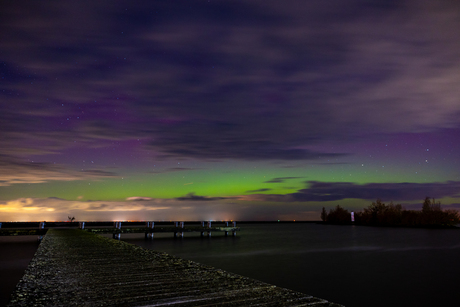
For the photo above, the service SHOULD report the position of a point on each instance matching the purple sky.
(246, 105)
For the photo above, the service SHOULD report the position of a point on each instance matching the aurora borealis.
(243, 110)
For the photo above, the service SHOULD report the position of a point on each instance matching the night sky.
(219, 110)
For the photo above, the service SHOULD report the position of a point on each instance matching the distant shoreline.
(75, 224)
(393, 226)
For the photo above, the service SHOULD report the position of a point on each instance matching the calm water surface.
(15, 255)
(355, 266)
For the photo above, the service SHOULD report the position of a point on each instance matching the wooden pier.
(118, 228)
(73, 267)
(178, 229)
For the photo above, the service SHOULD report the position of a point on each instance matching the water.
(354, 266)
(15, 255)
(351, 265)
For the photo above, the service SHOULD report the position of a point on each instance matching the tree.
(432, 213)
(339, 216)
(71, 219)
(324, 214)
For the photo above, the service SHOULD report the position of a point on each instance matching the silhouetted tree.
(431, 215)
(338, 216)
(323, 215)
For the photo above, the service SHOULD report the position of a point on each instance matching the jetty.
(73, 267)
(206, 228)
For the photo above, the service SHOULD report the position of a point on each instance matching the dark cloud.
(174, 169)
(332, 163)
(259, 190)
(97, 173)
(193, 197)
(280, 179)
(332, 191)
(225, 79)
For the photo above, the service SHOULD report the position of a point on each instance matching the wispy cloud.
(255, 83)
(333, 191)
(138, 198)
(259, 190)
(280, 179)
(193, 197)
(15, 171)
(174, 169)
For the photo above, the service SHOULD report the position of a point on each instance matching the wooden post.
(82, 225)
(117, 236)
(202, 225)
(181, 225)
(178, 233)
(209, 226)
(148, 234)
(41, 226)
(234, 231)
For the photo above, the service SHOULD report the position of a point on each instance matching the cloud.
(37, 209)
(246, 80)
(259, 190)
(192, 197)
(174, 169)
(280, 179)
(53, 209)
(15, 171)
(138, 198)
(333, 191)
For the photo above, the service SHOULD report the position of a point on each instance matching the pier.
(73, 267)
(205, 228)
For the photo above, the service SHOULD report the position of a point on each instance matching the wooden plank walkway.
(77, 268)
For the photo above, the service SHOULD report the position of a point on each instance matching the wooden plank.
(77, 268)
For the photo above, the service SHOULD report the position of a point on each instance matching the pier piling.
(148, 233)
(116, 234)
(40, 226)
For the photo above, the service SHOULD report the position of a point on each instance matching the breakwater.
(77, 268)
